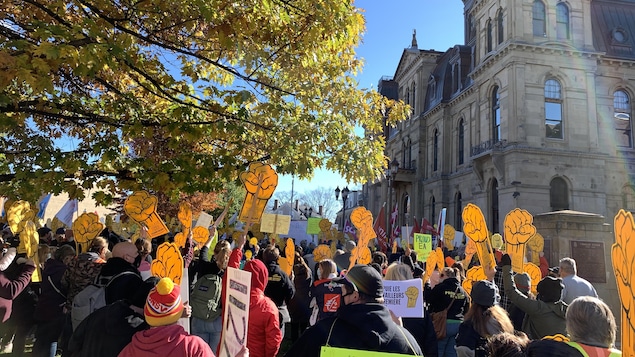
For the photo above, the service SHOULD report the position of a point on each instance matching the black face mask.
(137, 261)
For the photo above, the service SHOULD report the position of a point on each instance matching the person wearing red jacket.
(263, 335)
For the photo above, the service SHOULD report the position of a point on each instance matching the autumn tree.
(216, 84)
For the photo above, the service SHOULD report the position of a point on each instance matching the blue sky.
(389, 26)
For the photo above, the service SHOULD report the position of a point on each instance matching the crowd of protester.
(320, 304)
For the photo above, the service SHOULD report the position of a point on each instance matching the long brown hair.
(480, 317)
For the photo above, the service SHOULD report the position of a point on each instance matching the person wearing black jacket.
(121, 273)
(439, 298)
(280, 287)
(363, 322)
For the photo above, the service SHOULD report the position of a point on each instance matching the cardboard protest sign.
(168, 263)
(519, 229)
(286, 262)
(313, 225)
(322, 252)
(204, 220)
(260, 181)
(18, 213)
(141, 207)
(275, 223)
(236, 312)
(497, 241)
(623, 268)
(404, 297)
(185, 217)
(327, 351)
(448, 236)
(422, 245)
(29, 242)
(362, 219)
(536, 244)
(200, 235)
(475, 229)
(85, 228)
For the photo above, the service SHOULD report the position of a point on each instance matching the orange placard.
(168, 263)
(475, 228)
(536, 244)
(141, 207)
(286, 262)
(85, 228)
(260, 182)
(18, 213)
(322, 252)
(518, 229)
(185, 217)
(362, 219)
(624, 269)
(448, 236)
(200, 235)
(30, 241)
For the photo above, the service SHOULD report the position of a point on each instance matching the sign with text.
(422, 245)
(345, 352)
(313, 225)
(204, 220)
(275, 223)
(404, 297)
(236, 314)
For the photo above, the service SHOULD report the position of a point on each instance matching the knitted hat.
(523, 281)
(365, 279)
(550, 289)
(485, 293)
(163, 306)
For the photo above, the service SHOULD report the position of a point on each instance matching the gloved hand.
(506, 260)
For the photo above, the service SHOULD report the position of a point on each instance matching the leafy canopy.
(178, 96)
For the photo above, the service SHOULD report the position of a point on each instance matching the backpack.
(91, 298)
(205, 297)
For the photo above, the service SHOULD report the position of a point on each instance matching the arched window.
(562, 21)
(553, 109)
(458, 214)
(461, 142)
(489, 35)
(622, 119)
(628, 198)
(499, 26)
(435, 151)
(539, 19)
(495, 207)
(558, 194)
(496, 115)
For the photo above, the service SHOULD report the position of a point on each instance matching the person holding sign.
(363, 322)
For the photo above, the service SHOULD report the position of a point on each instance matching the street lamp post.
(344, 192)
(390, 175)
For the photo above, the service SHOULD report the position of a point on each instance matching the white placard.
(404, 297)
(204, 220)
(236, 314)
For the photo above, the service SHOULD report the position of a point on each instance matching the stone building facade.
(534, 111)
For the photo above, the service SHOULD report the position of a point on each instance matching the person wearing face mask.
(325, 295)
(363, 322)
(121, 272)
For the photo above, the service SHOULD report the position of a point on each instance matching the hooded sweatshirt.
(264, 335)
(367, 327)
(170, 340)
(543, 318)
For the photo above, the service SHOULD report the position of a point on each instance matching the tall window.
(553, 109)
(499, 26)
(461, 142)
(495, 207)
(558, 194)
(562, 21)
(432, 212)
(628, 198)
(458, 214)
(622, 119)
(409, 155)
(435, 150)
(496, 115)
(489, 35)
(539, 19)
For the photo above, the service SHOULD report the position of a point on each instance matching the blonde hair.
(327, 267)
(591, 322)
(398, 271)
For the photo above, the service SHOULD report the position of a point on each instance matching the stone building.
(532, 111)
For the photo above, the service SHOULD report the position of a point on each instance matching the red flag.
(350, 230)
(415, 228)
(380, 230)
(396, 230)
(427, 227)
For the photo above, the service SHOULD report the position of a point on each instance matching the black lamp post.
(344, 192)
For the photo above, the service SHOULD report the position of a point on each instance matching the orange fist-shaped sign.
(141, 207)
(260, 182)
(362, 219)
(518, 229)
(321, 252)
(624, 270)
(85, 228)
(475, 229)
(169, 263)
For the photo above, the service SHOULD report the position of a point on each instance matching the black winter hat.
(364, 279)
(485, 293)
(550, 289)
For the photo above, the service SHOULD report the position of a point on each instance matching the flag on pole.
(427, 227)
(350, 230)
(44, 201)
(380, 230)
(415, 228)
(396, 230)
(65, 214)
